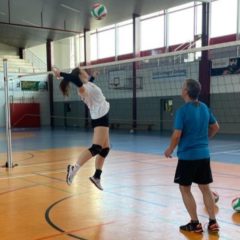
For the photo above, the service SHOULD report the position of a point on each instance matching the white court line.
(48, 172)
(236, 154)
(224, 145)
(43, 164)
(226, 152)
(31, 175)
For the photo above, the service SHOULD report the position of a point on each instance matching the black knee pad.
(104, 152)
(95, 149)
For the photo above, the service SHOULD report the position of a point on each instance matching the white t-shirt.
(95, 100)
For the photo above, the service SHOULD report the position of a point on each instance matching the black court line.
(52, 224)
(17, 189)
(27, 158)
(53, 178)
(43, 163)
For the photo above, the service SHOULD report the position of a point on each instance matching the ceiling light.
(206, 1)
(28, 22)
(69, 8)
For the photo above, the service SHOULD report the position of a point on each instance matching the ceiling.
(26, 23)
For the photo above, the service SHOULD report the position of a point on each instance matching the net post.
(9, 163)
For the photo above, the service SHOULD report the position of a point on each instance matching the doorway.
(166, 114)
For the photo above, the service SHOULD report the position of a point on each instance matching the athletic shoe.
(192, 227)
(96, 182)
(70, 174)
(213, 227)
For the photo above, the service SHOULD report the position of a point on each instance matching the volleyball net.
(144, 92)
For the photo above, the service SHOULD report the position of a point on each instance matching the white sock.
(76, 168)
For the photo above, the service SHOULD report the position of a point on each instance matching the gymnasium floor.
(139, 201)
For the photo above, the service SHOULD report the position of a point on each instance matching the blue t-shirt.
(193, 120)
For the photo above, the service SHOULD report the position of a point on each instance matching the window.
(181, 25)
(93, 47)
(152, 15)
(81, 49)
(223, 17)
(106, 43)
(125, 39)
(198, 19)
(152, 33)
(180, 7)
(168, 105)
(72, 52)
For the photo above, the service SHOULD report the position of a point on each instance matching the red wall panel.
(24, 115)
(223, 39)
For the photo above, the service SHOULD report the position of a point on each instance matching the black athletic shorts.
(197, 171)
(101, 122)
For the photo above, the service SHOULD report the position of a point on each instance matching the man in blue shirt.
(194, 124)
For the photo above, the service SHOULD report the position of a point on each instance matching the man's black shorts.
(197, 171)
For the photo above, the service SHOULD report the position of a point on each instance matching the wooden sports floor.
(139, 201)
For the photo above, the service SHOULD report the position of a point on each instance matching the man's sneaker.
(70, 174)
(192, 227)
(96, 182)
(213, 227)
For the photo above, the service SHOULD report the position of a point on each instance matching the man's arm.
(213, 129)
(174, 142)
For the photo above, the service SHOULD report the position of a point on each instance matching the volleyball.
(215, 197)
(99, 11)
(236, 204)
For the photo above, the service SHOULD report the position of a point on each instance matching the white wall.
(8, 50)
(61, 53)
(40, 51)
